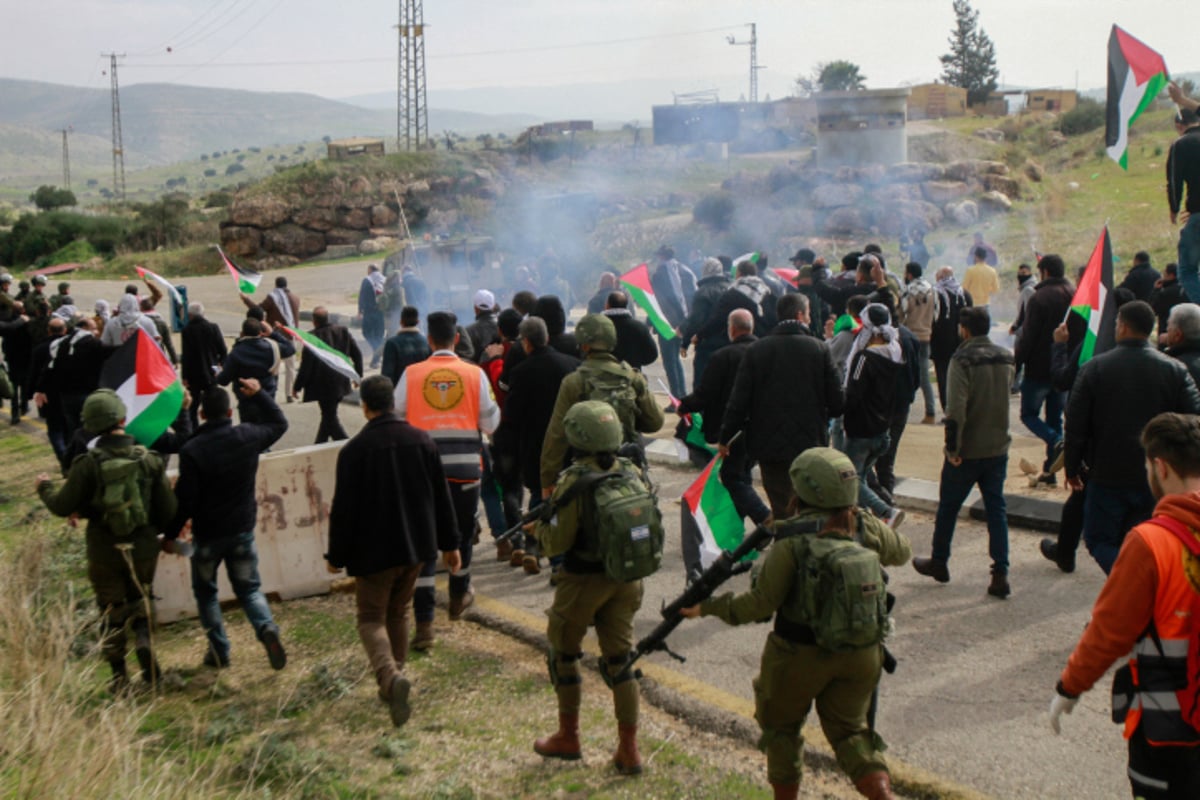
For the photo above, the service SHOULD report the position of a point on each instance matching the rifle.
(725, 567)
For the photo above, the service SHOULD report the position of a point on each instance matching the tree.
(48, 198)
(831, 76)
(971, 62)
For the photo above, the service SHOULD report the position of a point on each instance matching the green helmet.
(102, 411)
(597, 332)
(593, 427)
(824, 478)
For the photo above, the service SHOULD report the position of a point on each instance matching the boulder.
(1003, 184)
(966, 170)
(995, 201)
(905, 216)
(845, 221)
(962, 213)
(361, 185)
(275, 262)
(318, 219)
(352, 236)
(990, 134)
(778, 178)
(836, 195)
(417, 187)
(240, 240)
(1055, 139)
(359, 218)
(382, 244)
(896, 192)
(942, 192)
(293, 240)
(261, 211)
(1034, 171)
(915, 172)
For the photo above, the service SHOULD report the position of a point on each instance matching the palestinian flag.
(695, 434)
(1094, 301)
(846, 322)
(788, 275)
(247, 279)
(1136, 75)
(139, 372)
(637, 282)
(170, 289)
(709, 512)
(330, 356)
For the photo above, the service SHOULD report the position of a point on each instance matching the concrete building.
(936, 101)
(341, 149)
(1057, 100)
(862, 127)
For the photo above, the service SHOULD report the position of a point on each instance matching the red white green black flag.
(139, 372)
(1136, 75)
(327, 354)
(708, 510)
(247, 279)
(1094, 301)
(637, 282)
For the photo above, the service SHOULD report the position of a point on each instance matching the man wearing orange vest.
(1150, 604)
(452, 401)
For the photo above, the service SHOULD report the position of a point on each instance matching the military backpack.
(841, 593)
(621, 517)
(121, 491)
(613, 384)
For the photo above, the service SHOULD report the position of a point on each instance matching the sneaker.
(932, 568)
(398, 702)
(275, 652)
(460, 603)
(894, 518)
(999, 586)
(215, 661)
(532, 564)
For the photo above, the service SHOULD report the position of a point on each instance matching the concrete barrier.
(294, 492)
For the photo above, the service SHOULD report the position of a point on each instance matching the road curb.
(703, 706)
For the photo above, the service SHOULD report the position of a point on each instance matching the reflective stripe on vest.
(443, 400)
(1160, 658)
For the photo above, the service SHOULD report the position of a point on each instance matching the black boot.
(151, 672)
(119, 682)
(999, 585)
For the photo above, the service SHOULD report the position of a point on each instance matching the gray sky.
(478, 43)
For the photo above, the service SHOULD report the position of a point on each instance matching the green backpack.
(121, 490)
(626, 525)
(613, 384)
(841, 592)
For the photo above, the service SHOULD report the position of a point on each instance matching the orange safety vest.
(443, 400)
(1165, 694)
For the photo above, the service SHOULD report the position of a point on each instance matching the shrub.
(233, 168)
(37, 235)
(210, 173)
(1083, 118)
(219, 199)
(715, 211)
(48, 198)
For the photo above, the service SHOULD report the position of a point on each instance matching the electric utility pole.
(117, 148)
(754, 67)
(412, 113)
(66, 158)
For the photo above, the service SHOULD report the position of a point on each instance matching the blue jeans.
(1189, 258)
(1108, 513)
(957, 482)
(241, 565)
(1033, 395)
(864, 453)
(676, 380)
(926, 384)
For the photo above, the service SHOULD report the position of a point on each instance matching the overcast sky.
(339, 49)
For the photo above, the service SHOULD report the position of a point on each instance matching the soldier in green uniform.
(117, 467)
(795, 672)
(37, 306)
(585, 595)
(600, 377)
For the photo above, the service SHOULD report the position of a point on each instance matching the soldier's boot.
(151, 672)
(875, 786)
(119, 682)
(563, 743)
(627, 760)
(786, 791)
(424, 638)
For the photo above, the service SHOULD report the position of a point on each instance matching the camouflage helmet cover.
(593, 427)
(824, 478)
(597, 332)
(102, 411)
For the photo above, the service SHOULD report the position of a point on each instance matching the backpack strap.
(1181, 532)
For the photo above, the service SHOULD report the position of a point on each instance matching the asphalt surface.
(969, 700)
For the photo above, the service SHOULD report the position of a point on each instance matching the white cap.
(484, 299)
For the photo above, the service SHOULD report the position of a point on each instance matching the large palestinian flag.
(1095, 303)
(169, 287)
(637, 282)
(247, 279)
(1136, 75)
(709, 513)
(328, 355)
(141, 375)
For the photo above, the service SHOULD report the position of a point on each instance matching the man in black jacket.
(257, 354)
(218, 470)
(635, 343)
(705, 324)
(1044, 311)
(945, 337)
(320, 382)
(407, 346)
(1183, 337)
(786, 391)
(484, 330)
(203, 354)
(391, 513)
(674, 287)
(1183, 176)
(1142, 278)
(1114, 397)
(1166, 296)
(75, 365)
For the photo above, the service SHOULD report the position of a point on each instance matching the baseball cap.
(484, 299)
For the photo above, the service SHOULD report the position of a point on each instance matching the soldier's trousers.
(118, 596)
(794, 676)
(595, 599)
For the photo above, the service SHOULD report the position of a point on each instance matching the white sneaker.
(894, 519)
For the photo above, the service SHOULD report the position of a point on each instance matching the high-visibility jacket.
(442, 399)
(1163, 698)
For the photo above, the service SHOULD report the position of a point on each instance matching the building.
(341, 149)
(567, 126)
(862, 127)
(1056, 100)
(936, 101)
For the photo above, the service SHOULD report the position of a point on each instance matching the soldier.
(795, 670)
(122, 536)
(585, 594)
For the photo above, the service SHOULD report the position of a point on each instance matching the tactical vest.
(443, 400)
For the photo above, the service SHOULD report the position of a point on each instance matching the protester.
(674, 287)
(635, 343)
(370, 315)
(281, 307)
(989, 253)
(944, 337)
(1141, 278)
(608, 284)
(981, 280)
(407, 346)
(18, 350)
(256, 354)
(483, 331)
(1025, 288)
(1166, 296)
(320, 382)
(705, 324)
(918, 310)
(129, 319)
(203, 354)
(1183, 177)
(75, 363)
(44, 389)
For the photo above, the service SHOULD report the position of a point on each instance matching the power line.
(175, 38)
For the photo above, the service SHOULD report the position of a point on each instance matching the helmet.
(597, 332)
(64, 287)
(5, 278)
(39, 280)
(102, 411)
(824, 478)
(593, 427)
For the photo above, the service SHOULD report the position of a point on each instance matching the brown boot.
(516, 558)
(460, 603)
(786, 791)
(875, 786)
(627, 760)
(531, 564)
(504, 550)
(423, 640)
(564, 743)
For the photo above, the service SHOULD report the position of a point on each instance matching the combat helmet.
(102, 411)
(593, 427)
(597, 332)
(824, 478)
